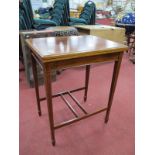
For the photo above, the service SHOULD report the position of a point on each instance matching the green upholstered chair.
(26, 14)
(87, 16)
(60, 15)
(37, 23)
(61, 12)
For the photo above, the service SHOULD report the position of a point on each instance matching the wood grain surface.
(59, 48)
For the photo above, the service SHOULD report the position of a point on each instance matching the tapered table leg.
(113, 85)
(86, 81)
(34, 69)
(47, 78)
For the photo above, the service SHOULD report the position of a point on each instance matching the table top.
(51, 49)
(96, 27)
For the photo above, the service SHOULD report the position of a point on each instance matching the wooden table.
(112, 33)
(64, 52)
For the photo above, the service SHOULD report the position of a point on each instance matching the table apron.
(75, 62)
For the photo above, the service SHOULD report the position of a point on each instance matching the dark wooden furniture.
(130, 35)
(131, 50)
(130, 28)
(64, 52)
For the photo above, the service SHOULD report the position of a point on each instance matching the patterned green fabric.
(23, 18)
(60, 15)
(42, 21)
(60, 12)
(27, 21)
(22, 23)
(87, 16)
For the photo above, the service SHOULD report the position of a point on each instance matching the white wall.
(38, 3)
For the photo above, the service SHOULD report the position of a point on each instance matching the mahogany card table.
(72, 51)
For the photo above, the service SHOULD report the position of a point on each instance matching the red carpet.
(87, 137)
(106, 21)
